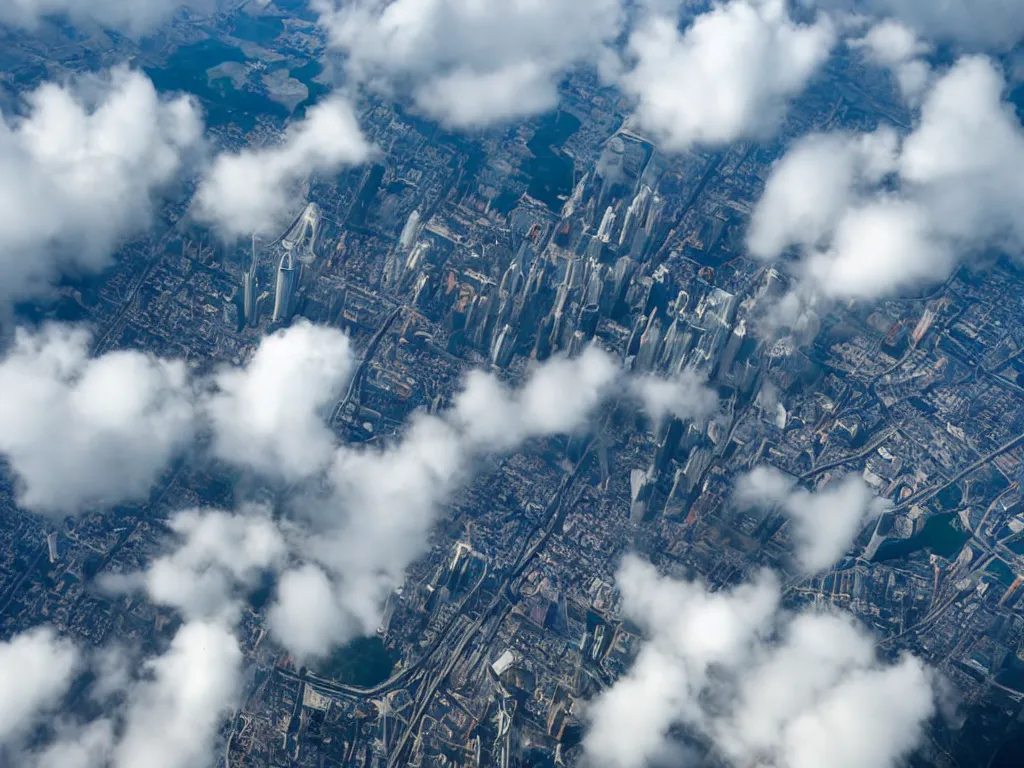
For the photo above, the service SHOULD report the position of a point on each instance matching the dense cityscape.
(509, 249)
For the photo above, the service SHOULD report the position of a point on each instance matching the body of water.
(941, 535)
(550, 169)
(186, 71)
(364, 662)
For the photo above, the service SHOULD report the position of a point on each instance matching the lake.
(364, 662)
(940, 535)
(186, 70)
(551, 170)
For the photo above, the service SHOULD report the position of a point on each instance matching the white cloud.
(685, 396)
(813, 185)
(974, 24)
(825, 522)
(729, 75)
(173, 715)
(254, 190)
(79, 431)
(81, 169)
(268, 414)
(134, 17)
(84, 747)
(557, 397)
(165, 714)
(955, 188)
(469, 63)
(757, 685)
(36, 670)
(218, 556)
(892, 45)
(307, 617)
(384, 501)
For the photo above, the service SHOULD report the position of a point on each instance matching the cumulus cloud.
(254, 190)
(384, 501)
(120, 419)
(130, 16)
(167, 716)
(268, 414)
(167, 710)
(825, 522)
(307, 617)
(85, 746)
(883, 222)
(175, 711)
(36, 670)
(890, 44)
(218, 555)
(80, 169)
(685, 396)
(753, 684)
(729, 75)
(814, 185)
(974, 24)
(468, 63)
(80, 431)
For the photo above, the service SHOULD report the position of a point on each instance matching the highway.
(371, 350)
(498, 610)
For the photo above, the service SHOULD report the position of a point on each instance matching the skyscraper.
(284, 296)
(249, 289)
(503, 347)
(732, 349)
(410, 231)
(604, 232)
(301, 236)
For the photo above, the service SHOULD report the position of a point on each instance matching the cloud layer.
(383, 503)
(130, 16)
(752, 684)
(872, 215)
(80, 431)
(468, 63)
(977, 25)
(36, 669)
(268, 415)
(825, 522)
(253, 190)
(729, 75)
(219, 556)
(80, 169)
(366, 512)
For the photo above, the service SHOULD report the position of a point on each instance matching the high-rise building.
(677, 496)
(417, 256)
(923, 326)
(604, 232)
(503, 347)
(635, 216)
(302, 235)
(732, 349)
(610, 170)
(641, 485)
(287, 280)
(51, 545)
(669, 444)
(249, 304)
(650, 345)
(410, 231)
(696, 465)
(590, 316)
